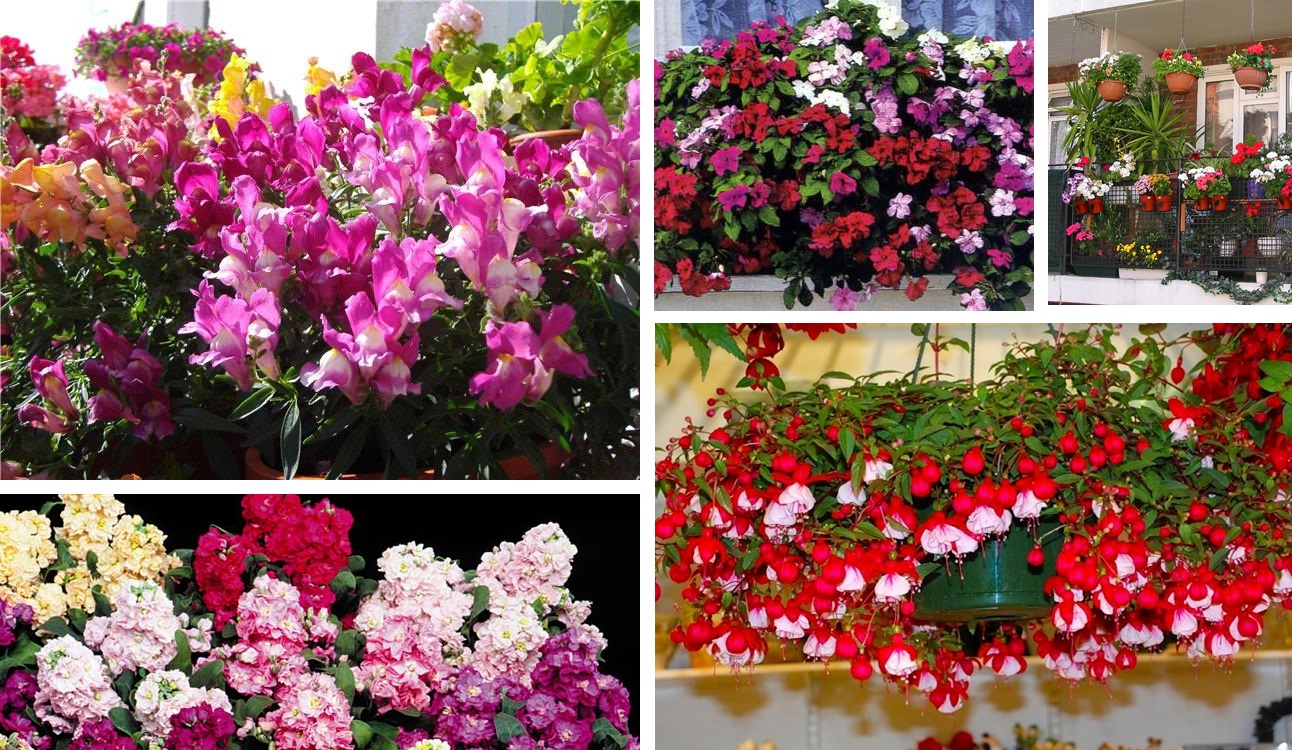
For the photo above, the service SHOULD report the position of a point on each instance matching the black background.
(461, 527)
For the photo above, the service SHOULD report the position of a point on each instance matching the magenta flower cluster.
(118, 50)
(420, 191)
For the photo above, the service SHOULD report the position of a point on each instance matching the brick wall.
(1187, 104)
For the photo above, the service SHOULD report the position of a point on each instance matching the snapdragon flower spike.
(128, 378)
(404, 282)
(237, 330)
(58, 412)
(522, 363)
(483, 242)
(370, 355)
(201, 213)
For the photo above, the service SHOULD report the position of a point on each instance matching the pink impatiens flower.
(725, 161)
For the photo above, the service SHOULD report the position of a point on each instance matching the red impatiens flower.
(915, 289)
(958, 211)
(813, 330)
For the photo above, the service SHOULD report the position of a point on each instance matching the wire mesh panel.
(1252, 234)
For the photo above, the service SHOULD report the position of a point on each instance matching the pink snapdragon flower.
(58, 413)
(404, 281)
(129, 381)
(522, 363)
(370, 355)
(483, 242)
(236, 329)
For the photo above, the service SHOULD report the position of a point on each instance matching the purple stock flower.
(100, 734)
(10, 616)
(200, 727)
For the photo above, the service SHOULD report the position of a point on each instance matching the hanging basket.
(1112, 91)
(1250, 79)
(995, 583)
(1180, 83)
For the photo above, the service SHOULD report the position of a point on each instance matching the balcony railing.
(1251, 235)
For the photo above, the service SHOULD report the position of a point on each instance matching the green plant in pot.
(1159, 131)
(834, 515)
(1112, 73)
(530, 83)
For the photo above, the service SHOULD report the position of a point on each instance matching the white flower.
(1180, 429)
(972, 51)
(891, 587)
(877, 469)
(804, 90)
(933, 36)
(891, 23)
(848, 497)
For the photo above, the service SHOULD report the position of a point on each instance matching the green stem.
(919, 358)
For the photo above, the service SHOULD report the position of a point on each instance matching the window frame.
(1281, 93)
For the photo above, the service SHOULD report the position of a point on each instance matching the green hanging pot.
(995, 583)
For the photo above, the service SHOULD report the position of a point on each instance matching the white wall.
(55, 43)
(1166, 698)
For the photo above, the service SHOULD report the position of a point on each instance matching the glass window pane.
(1261, 121)
(1287, 116)
(1218, 110)
(1059, 128)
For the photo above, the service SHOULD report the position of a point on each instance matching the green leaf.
(251, 404)
(123, 720)
(57, 626)
(349, 451)
(479, 600)
(347, 643)
(907, 84)
(218, 455)
(211, 675)
(603, 730)
(698, 345)
(335, 426)
(345, 680)
(200, 419)
(1277, 368)
(507, 727)
(355, 563)
(362, 733)
(258, 704)
(664, 341)
(183, 655)
(343, 583)
(399, 446)
(289, 443)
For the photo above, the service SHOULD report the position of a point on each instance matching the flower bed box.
(1081, 267)
(766, 292)
(1156, 274)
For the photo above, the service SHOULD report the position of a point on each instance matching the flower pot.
(1250, 79)
(1255, 189)
(1147, 203)
(1285, 204)
(1155, 274)
(257, 469)
(520, 467)
(1180, 83)
(1082, 205)
(1227, 248)
(1163, 202)
(1096, 205)
(1219, 202)
(1112, 91)
(1203, 203)
(1269, 247)
(995, 583)
(553, 138)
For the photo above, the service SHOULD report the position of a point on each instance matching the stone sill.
(1089, 290)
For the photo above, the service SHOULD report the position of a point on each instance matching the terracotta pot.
(1203, 203)
(1180, 83)
(1147, 203)
(257, 469)
(1082, 205)
(1112, 91)
(553, 138)
(1250, 79)
(1163, 202)
(1096, 205)
(520, 467)
(1219, 202)
(1285, 204)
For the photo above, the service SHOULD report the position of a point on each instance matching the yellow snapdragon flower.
(239, 93)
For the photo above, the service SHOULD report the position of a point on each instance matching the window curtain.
(720, 19)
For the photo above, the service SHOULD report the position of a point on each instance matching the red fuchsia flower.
(898, 659)
(940, 535)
